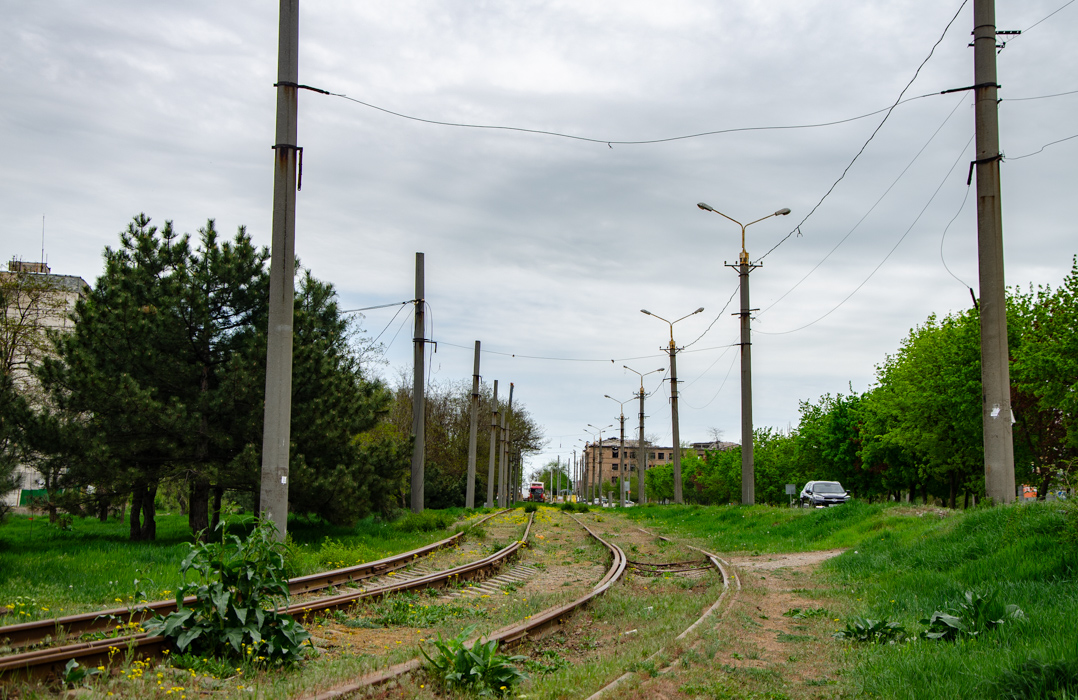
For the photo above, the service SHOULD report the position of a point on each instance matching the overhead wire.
(1075, 136)
(943, 238)
(870, 209)
(717, 317)
(886, 257)
(613, 142)
(717, 391)
(1069, 2)
(870, 137)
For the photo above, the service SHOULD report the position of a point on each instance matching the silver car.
(819, 494)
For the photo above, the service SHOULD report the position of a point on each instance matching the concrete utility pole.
(599, 474)
(621, 449)
(744, 267)
(418, 390)
(503, 471)
(996, 412)
(673, 399)
(493, 446)
(277, 418)
(641, 447)
(473, 430)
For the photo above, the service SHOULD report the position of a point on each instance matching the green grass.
(46, 571)
(776, 529)
(903, 564)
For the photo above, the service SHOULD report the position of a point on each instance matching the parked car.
(819, 494)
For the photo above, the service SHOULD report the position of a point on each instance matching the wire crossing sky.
(547, 157)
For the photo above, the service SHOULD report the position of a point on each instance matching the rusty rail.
(43, 662)
(506, 636)
(31, 633)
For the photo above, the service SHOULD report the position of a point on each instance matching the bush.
(480, 668)
(427, 521)
(241, 585)
(531, 507)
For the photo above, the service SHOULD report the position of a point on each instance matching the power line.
(886, 257)
(719, 390)
(871, 136)
(870, 209)
(944, 237)
(1049, 15)
(571, 359)
(717, 317)
(1042, 148)
(380, 306)
(1040, 97)
(612, 142)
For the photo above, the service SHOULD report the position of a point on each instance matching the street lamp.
(597, 481)
(673, 399)
(641, 452)
(744, 267)
(621, 448)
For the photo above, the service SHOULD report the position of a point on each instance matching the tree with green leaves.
(162, 380)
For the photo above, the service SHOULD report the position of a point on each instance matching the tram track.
(508, 636)
(51, 660)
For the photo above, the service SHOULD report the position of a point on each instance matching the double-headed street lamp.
(597, 477)
(744, 267)
(621, 448)
(673, 399)
(641, 452)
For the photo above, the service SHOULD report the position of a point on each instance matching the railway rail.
(39, 631)
(51, 660)
(507, 637)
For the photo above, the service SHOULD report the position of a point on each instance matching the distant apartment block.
(33, 301)
(615, 464)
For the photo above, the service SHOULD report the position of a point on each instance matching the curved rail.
(39, 662)
(506, 636)
(718, 564)
(31, 633)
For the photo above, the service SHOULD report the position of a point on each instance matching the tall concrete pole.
(473, 430)
(621, 463)
(674, 418)
(419, 341)
(505, 478)
(277, 416)
(748, 470)
(641, 453)
(996, 413)
(491, 461)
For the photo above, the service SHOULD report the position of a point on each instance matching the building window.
(660, 455)
(651, 455)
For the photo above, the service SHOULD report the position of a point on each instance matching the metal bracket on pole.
(299, 160)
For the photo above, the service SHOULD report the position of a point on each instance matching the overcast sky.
(546, 246)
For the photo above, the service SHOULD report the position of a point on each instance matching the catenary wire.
(1039, 97)
(870, 137)
(717, 317)
(719, 390)
(1044, 18)
(1052, 143)
(886, 257)
(944, 237)
(870, 209)
(612, 142)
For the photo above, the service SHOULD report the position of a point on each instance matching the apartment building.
(32, 302)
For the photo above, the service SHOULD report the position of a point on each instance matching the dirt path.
(773, 639)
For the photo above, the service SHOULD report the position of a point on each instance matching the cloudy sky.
(546, 246)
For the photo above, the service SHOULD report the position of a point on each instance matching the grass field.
(902, 564)
(46, 571)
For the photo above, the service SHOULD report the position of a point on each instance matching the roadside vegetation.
(47, 571)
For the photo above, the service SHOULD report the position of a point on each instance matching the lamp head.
(705, 207)
(783, 212)
(698, 310)
(645, 311)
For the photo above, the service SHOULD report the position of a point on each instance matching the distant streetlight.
(673, 399)
(641, 452)
(744, 267)
(621, 448)
(597, 478)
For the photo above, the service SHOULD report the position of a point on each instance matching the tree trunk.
(965, 505)
(149, 509)
(1042, 492)
(925, 492)
(198, 517)
(103, 509)
(137, 494)
(218, 492)
(953, 492)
